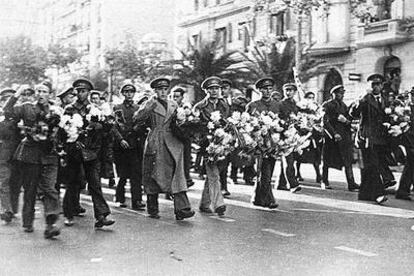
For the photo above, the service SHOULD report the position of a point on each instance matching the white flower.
(399, 110)
(181, 114)
(387, 110)
(276, 137)
(248, 128)
(266, 120)
(236, 116)
(219, 132)
(210, 125)
(215, 116)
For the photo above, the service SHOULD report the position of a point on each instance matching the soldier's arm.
(13, 110)
(327, 118)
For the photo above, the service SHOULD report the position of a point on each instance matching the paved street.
(314, 232)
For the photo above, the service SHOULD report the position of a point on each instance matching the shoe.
(28, 229)
(353, 188)
(69, 222)
(249, 182)
(235, 181)
(7, 216)
(273, 205)
(138, 205)
(205, 210)
(403, 197)
(299, 178)
(381, 199)
(226, 193)
(122, 205)
(220, 210)
(201, 176)
(295, 189)
(80, 212)
(184, 214)
(190, 183)
(282, 188)
(325, 186)
(154, 216)
(168, 196)
(389, 183)
(111, 183)
(103, 221)
(51, 231)
(318, 179)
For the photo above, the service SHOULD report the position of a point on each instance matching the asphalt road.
(312, 233)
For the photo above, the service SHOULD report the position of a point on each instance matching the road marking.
(223, 219)
(96, 260)
(278, 232)
(328, 211)
(356, 251)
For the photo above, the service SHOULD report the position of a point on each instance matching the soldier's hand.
(337, 137)
(21, 90)
(124, 144)
(342, 118)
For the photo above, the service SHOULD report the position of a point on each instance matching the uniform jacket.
(9, 139)
(337, 154)
(261, 105)
(207, 106)
(163, 169)
(30, 151)
(287, 107)
(372, 117)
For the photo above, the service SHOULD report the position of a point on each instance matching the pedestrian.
(338, 145)
(9, 140)
(128, 149)
(263, 194)
(313, 153)
(287, 107)
(38, 160)
(372, 140)
(212, 195)
(83, 162)
(163, 165)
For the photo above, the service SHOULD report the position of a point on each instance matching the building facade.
(352, 42)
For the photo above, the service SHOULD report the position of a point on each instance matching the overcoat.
(163, 166)
(337, 154)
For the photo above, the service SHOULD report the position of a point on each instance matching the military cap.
(128, 86)
(264, 82)
(42, 87)
(179, 90)
(336, 88)
(7, 91)
(227, 81)
(82, 83)
(65, 92)
(211, 81)
(376, 78)
(290, 84)
(307, 94)
(95, 92)
(160, 82)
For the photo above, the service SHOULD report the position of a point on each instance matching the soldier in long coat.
(337, 149)
(263, 194)
(372, 140)
(163, 165)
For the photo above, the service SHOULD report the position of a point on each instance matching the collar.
(129, 103)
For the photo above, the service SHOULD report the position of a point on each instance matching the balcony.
(381, 33)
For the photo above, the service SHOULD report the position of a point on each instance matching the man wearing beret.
(287, 107)
(163, 165)
(82, 161)
(128, 149)
(372, 140)
(264, 195)
(9, 140)
(37, 160)
(338, 146)
(212, 187)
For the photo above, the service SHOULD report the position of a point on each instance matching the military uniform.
(38, 164)
(128, 161)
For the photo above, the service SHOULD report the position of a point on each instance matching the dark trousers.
(264, 194)
(384, 169)
(248, 173)
(223, 167)
(42, 177)
(5, 172)
(349, 174)
(129, 165)
(316, 166)
(15, 184)
(371, 184)
(72, 194)
(187, 159)
(407, 176)
(181, 203)
(289, 171)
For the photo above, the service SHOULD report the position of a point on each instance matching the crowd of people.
(75, 139)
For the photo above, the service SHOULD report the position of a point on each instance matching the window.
(277, 24)
(195, 41)
(240, 31)
(221, 36)
(230, 33)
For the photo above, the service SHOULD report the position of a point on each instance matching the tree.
(205, 61)
(60, 57)
(21, 61)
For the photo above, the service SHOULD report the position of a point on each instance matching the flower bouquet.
(72, 124)
(399, 119)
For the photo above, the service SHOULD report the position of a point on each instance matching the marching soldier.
(288, 106)
(163, 165)
(264, 195)
(227, 93)
(82, 156)
(372, 140)
(338, 146)
(212, 187)
(38, 162)
(128, 149)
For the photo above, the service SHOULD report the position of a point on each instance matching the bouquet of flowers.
(221, 141)
(72, 124)
(399, 119)
(309, 117)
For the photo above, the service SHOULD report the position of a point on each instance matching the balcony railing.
(381, 33)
